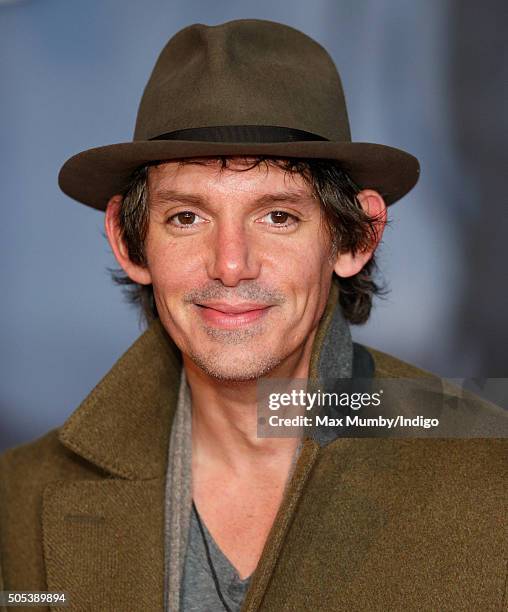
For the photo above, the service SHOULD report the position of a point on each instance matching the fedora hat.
(246, 87)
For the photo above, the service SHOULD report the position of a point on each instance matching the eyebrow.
(163, 195)
(170, 195)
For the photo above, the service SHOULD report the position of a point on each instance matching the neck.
(224, 420)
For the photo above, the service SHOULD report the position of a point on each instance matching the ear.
(373, 204)
(138, 273)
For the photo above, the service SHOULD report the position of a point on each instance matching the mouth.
(232, 316)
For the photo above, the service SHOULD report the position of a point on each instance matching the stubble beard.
(250, 366)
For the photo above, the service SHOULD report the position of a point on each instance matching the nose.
(232, 256)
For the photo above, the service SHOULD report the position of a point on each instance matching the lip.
(232, 316)
(239, 308)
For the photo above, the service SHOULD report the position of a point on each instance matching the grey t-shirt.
(198, 588)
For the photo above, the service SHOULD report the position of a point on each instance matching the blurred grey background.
(427, 76)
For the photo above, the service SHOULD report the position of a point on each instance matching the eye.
(185, 218)
(279, 218)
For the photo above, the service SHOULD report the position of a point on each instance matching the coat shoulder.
(388, 366)
(27, 469)
(30, 454)
(43, 460)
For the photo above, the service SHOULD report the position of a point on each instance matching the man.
(246, 221)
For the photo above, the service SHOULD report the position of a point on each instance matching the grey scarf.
(178, 498)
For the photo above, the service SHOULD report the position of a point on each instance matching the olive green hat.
(246, 87)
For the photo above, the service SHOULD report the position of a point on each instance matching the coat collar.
(123, 426)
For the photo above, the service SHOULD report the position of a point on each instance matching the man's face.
(240, 264)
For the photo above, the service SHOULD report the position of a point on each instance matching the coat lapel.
(123, 426)
(103, 536)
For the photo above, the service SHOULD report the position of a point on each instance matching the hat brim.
(94, 176)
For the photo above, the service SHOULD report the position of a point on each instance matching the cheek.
(305, 268)
(173, 266)
(315, 280)
(304, 273)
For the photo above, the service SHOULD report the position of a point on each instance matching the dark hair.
(348, 226)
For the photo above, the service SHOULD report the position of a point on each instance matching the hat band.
(241, 133)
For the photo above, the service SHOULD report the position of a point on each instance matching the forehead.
(213, 177)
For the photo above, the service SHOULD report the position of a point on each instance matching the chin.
(242, 369)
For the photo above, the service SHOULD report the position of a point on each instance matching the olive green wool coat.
(365, 524)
